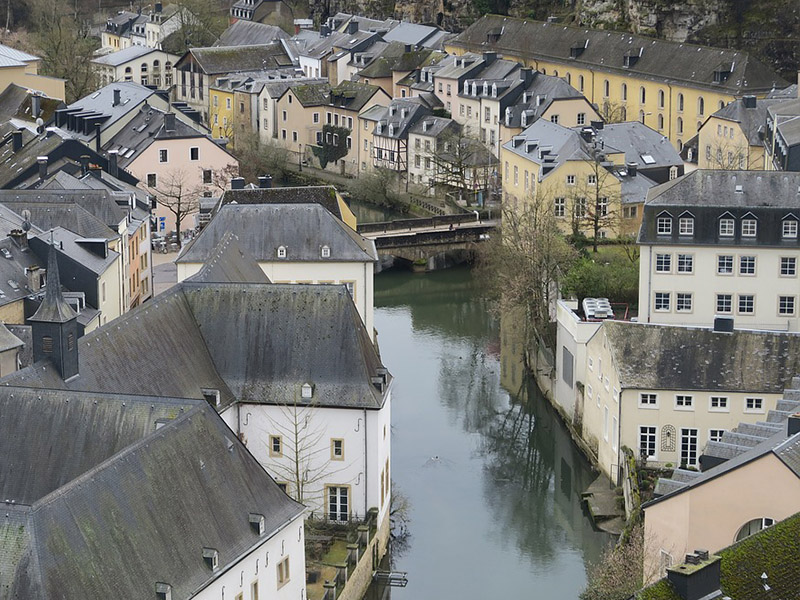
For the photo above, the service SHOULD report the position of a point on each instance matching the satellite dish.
(26, 225)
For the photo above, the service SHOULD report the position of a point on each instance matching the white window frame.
(789, 260)
(660, 296)
(749, 228)
(757, 405)
(663, 225)
(665, 261)
(648, 405)
(723, 404)
(686, 226)
(686, 299)
(727, 227)
(652, 430)
(680, 402)
(789, 229)
(688, 264)
(729, 259)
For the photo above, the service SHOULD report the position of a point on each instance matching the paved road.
(165, 272)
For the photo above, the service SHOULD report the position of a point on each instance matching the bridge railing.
(416, 223)
(427, 238)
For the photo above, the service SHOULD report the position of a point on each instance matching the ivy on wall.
(332, 146)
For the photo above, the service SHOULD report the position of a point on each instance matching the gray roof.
(789, 128)
(53, 309)
(8, 340)
(751, 120)
(662, 357)
(411, 33)
(658, 60)
(393, 115)
(228, 263)
(301, 228)
(14, 54)
(235, 59)
(120, 57)
(701, 187)
(324, 195)
(785, 93)
(72, 245)
(13, 270)
(98, 202)
(286, 335)
(433, 126)
(247, 33)
(124, 492)
(70, 216)
(637, 140)
(466, 65)
(541, 93)
(102, 102)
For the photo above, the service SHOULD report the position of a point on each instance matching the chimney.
(97, 127)
(408, 48)
(324, 31)
(265, 182)
(169, 121)
(749, 101)
(16, 140)
(116, 101)
(587, 133)
(794, 424)
(352, 26)
(698, 577)
(159, 7)
(632, 168)
(84, 164)
(597, 125)
(42, 160)
(113, 166)
(489, 57)
(237, 183)
(20, 238)
(36, 105)
(34, 278)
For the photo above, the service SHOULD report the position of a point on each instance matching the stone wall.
(361, 576)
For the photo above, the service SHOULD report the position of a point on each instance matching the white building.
(722, 243)
(142, 64)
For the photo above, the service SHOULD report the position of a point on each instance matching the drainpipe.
(649, 275)
(366, 472)
(669, 127)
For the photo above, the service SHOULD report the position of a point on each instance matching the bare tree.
(614, 112)
(728, 156)
(257, 158)
(460, 161)
(596, 201)
(178, 194)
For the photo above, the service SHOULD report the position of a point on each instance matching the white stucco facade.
(571, 336)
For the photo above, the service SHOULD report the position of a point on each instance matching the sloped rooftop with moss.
(774, 551)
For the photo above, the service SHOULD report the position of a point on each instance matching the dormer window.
(466, 87)
(281, 251)
(727, 227)
(686, 226)
(257, 523)
(664, 225)
(474, 89)
(789, 229)
(494, 90)
(163, 591)
(325, 252)
(211, 558)
(749, 227)
(306, 391)
(485, 88)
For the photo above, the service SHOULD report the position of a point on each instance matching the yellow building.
(672, 87)
(594, 179)
(220, 107)
(22, 69)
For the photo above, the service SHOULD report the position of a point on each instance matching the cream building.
(22, 69)
(667, 392)
(144, 65)
(669, 86)
(722, 243)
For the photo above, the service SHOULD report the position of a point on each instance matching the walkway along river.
(491, 475)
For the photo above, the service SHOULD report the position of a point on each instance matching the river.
(492, 478)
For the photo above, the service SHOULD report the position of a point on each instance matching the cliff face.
(770, 29)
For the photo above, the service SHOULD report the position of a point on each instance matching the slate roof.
(286, 335)
(247, 33)
(15, 102)
(352, 95)
(324, 195)
(100, 203)
(8, 340)
(433, 126)
(660, 60)
(415, 109)
(234, 59)
(301, 228)
(13, 270)
(120, 57)
(17, 55)
(70, 216)
(53, 309)
(411, 33)
(788, 128)
(311, 94)
(541, 93)
(662, 357)
(751, 120)
(191, 480)
(70, 245)
(228, 263)
(395, 58)
(637, 140)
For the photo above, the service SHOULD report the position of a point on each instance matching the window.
(788, 266)
(701, 106)
(753, 405)
(746, 304)
(606, 88)
(194, 153)
(294, 137)
(747, 265)
(715, 435)
(602, 209)
(516, 175)
(487, 115)
(684, 402)
(283, 572)
(337, 449)
(724, 303)
(790, 228)
(254, 590)
(163, 155)
(647, 442)
(152, 180)
(47, 344)
(661, 121)
(207, 176)
(749, 227)
(662, 301)
(570, 179)
(624, 92)
(648, 400)
(580, 207)
(559, 208)
(275, 445)
(338, 503)
(554, 119)
(642, 95)
(686, 226)
(605, 423)
(683, 302)
(718, 404)
(660, 98)
(688, 447)
(685, 263)
(614, 433)
(680, 125)
(581, 119)
(752, 527)
(664, 226)
(726, 227)
(663, 263)
(591, 179)
(725, 264)
(786, 305)
(281, 251)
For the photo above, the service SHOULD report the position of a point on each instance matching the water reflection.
(371, 213)
(499, 508)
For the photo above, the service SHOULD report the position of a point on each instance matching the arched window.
(641, 116)
(144, 67)
(580, 83)
(680, 102)
(660, 98)
(660, 122)
(624, 92)
(544, 71)
(128, 70)
(701, 106)
(281, 251)
(555, 73)
(606, 88)
(752, 527)
(680, 145)
(156, 64)
(642, 95)
(680, 125)
(569, 78)
(721, 105)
